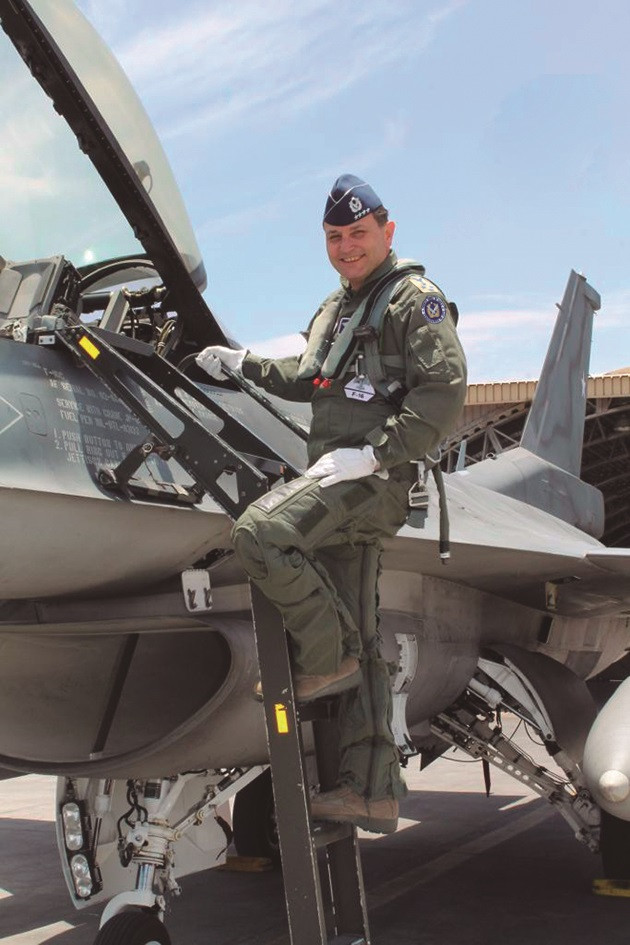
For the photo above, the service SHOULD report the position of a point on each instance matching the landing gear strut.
(473, 724)
(136, 838)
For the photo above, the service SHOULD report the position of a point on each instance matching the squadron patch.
(434, 309)
(423, 284)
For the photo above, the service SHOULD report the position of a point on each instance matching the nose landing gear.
(108, 830)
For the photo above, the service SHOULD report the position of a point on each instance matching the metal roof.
(615, 384)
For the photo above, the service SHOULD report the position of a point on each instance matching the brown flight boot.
(348, 676)
(345, 806)
(308, 688)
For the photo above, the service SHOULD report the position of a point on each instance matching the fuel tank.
(607, 754)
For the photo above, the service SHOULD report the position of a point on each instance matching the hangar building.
(493, 420)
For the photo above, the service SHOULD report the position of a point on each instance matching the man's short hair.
(381, 215)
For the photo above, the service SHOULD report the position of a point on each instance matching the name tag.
(359, 388)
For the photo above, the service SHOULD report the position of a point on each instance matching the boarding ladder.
(325, 900)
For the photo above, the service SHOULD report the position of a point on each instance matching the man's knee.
(248, 548)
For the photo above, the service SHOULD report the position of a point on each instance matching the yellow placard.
(282, 720)
(87, 346)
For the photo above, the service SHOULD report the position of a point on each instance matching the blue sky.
(495, 131)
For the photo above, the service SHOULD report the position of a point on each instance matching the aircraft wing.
(612, 559)
(502, 546)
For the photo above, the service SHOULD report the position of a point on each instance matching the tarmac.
(462, 869)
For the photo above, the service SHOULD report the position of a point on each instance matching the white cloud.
(281, 347)
(503, 344)
(247, 219)
(27, 136)
(240, 221)
(492, 326)
(46, 183)
(510, 343)
(108, 18)
(252, 60)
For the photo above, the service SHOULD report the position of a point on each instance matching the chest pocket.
(426, 350)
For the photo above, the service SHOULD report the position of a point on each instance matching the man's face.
(356, 250)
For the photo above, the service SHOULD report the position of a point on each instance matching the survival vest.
(360, 336)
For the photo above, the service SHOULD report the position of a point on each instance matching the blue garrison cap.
(350, 199)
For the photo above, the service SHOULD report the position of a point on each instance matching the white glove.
(213, 358)
(343, 464)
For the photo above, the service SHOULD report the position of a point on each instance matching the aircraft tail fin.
(554, 430)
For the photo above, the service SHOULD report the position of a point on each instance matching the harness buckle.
(365, 332)
(418, 496)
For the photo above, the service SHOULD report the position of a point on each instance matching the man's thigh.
(301, 514)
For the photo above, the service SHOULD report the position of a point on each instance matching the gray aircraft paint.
(90, 582)
(515, 570)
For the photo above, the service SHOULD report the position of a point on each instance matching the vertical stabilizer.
(554, 430)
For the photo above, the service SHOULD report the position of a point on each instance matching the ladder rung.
(299, 837)
(321, 709)
(325, 833)
(348, 939)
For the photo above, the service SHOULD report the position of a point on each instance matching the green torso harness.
(328, 359)
(358, 344)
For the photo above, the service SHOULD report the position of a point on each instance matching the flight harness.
(358, 343)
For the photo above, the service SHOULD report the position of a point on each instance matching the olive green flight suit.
(315, 552)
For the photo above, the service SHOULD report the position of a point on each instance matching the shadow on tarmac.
(463, 870)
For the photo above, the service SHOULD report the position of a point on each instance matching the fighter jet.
(128, 653)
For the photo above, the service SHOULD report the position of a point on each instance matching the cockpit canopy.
(48, 184)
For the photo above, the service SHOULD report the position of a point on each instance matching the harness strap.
(363, 329)
(329, 361)
(319, 336)
(376, 363)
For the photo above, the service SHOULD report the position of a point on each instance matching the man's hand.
(213, 358)
(344, 464)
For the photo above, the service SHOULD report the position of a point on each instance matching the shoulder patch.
(434, 309)
(423, 284)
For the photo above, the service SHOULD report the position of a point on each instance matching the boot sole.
(371, 824)
(340, 685)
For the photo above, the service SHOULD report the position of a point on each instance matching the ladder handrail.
(202, 453)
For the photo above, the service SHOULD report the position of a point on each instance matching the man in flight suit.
(313, 545)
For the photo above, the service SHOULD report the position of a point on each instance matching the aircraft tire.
(133, 928)
(615, 846)
(254, 820)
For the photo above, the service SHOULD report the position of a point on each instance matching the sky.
(495, 131)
